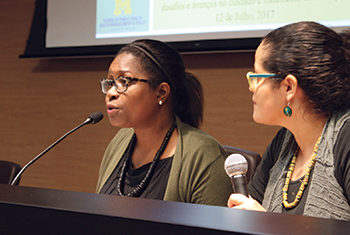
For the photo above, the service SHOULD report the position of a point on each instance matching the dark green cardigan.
(197, 174)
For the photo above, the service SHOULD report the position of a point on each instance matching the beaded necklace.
(303, 183)
(136, 192)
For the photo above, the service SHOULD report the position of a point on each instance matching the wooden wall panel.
(42, 99)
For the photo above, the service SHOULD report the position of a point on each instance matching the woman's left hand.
(240, 201)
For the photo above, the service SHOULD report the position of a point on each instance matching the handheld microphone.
(236, 167)
(93, 118)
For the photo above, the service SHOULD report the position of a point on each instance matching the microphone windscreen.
(236, 164)
(96, 117)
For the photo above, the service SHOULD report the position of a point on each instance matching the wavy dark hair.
(318, 57)
(162, 63)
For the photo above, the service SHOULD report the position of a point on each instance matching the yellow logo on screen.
(122, 6)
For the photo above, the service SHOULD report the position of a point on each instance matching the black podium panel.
(26, 210)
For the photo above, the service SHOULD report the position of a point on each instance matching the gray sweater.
(326, 197)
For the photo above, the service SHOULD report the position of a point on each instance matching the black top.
(341, 152)
(292, 192)
(156, 187)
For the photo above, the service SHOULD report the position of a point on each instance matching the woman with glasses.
(302, 83)
(159, 153)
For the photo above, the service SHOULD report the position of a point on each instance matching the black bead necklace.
(136, 192)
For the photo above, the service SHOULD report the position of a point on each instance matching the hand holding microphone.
(236, 167)
(93, 118)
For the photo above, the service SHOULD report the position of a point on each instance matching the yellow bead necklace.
(303, 183)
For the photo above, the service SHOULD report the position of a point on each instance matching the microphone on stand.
(93, 118)
(236, 167)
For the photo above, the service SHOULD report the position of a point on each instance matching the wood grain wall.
(41, 99)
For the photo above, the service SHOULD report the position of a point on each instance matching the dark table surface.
(28, 210)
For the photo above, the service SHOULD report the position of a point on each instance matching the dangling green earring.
(287, 110)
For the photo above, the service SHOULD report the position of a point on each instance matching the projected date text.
(245, 16)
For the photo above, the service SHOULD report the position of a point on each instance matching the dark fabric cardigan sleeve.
(258, 182)
(341, 159)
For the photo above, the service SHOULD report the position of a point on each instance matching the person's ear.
(290, 86)
(163, 92)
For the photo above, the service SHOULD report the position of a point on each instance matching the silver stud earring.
(160, 103)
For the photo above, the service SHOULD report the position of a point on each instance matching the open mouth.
(111, 108)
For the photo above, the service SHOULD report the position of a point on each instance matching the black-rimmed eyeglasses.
(121, 83)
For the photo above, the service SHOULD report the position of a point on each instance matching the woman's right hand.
(240, 201)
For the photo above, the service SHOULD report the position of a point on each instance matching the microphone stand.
(88, 121)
